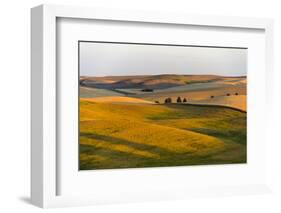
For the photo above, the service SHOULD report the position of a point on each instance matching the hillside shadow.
(137, 146)
(93, 156)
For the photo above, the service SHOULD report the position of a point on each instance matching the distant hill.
(146, 81)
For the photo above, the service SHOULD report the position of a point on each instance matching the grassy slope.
(235, 101)
(87, 92)
(120, 135)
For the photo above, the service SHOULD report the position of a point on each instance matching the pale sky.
(112, 59)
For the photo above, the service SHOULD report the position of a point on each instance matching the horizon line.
(164, 74)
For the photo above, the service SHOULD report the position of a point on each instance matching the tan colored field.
(116, 99)
(204, 97)
(194, 95)
(235, 101)
(227, 92)
(203, 89)
(88, 92)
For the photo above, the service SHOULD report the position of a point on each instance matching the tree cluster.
(179, 100)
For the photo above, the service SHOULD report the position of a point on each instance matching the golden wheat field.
(134, 133)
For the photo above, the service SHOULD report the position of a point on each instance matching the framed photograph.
(130, 106)
(159, 105)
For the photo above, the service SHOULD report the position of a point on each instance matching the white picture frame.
(44, 84)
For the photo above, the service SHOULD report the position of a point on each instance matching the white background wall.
(15, 98)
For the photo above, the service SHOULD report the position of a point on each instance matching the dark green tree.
(168, 100)
(179, 100)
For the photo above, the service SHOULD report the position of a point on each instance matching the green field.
(135, 135)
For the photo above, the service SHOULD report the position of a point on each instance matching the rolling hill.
(201, 89)
(149, 81)
(128, 135)
(124, 122)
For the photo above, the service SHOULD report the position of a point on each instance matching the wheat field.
(139, 134)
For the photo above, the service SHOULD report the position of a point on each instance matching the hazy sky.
(103, 59)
